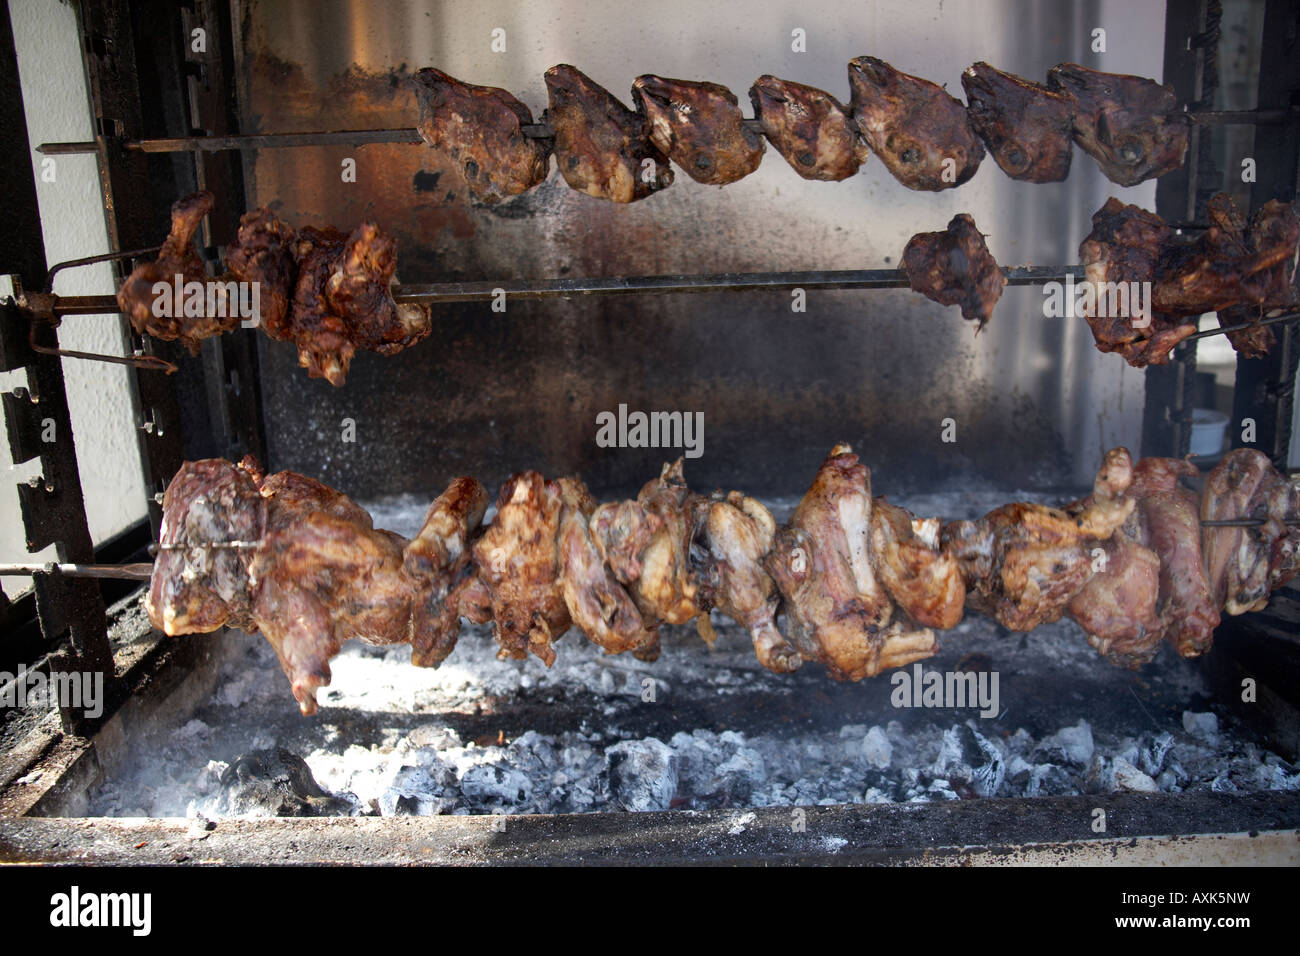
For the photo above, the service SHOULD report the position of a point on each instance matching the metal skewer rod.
(362, 137)
(1223, 330)
(124, 572)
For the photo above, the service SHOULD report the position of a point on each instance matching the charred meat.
(263, 253)
(920, 132)
(809, 127)
(699, 126)
(1130, 125)
(1027, 127)
(836, 609)
(602, 148)
(955, 267)
(480, 128)
(178, 261)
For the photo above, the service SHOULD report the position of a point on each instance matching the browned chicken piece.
(1244, 564)
(924, 581)
(517, 563)
(1024, 563)
(1274, 226)
(1118, 256)
(1130, 125)
(323, 575)
(1117, 607)
(602, 148)
(435, 561)
(1167, 523)
(733, 534)
(178, 257)
(646, 544)
(810, 128)
(597, 602)
(920, 132)
(836, 609)
(1226, 266)
(955, 267)
(480, 130)
(1027, 127)
(700, 127)
(199, 589)
(263, 253)
(343, 301)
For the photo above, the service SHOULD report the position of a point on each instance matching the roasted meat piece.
(480, 129)
(323, 575)
(1024, 563)
(700, 127)
(955, 267)
(1130, 125)
(343, 301)
(924, 581)
(1119, 258)
(809, 127)
(920, 132)
(1244, 564)
(1228, 266)
(1117, 607)
(199, 588)
(263, 254)
(1274, 228)
(517, 563)
(1167, 523)
(602, 148)
(1027, 127)
(836, 609)
(178, 257)
(597, 601)
(733, 534)
(436, 560)
(646, 544)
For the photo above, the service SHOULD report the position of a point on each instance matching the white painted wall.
(72, 216)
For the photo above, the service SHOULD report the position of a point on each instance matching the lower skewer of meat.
(861, 584)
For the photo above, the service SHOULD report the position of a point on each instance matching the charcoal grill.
(611, 313)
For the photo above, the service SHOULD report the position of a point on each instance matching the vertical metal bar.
(1265, 387)
(53, 508)
(1169, 388)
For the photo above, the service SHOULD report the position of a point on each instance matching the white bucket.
(1208, 430)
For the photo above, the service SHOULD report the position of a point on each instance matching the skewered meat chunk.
(1024, 563)
(1130, 125)
(700, 127)
(733, 534)
(1117, 607)
(597, 602)
(1027, 127)
(263, 254)
(920, 132)
(1119, 256)
(837, 612)
(178, 257)
(1274, 226)
(955, 267)
(343, 301)
(1227, 266)
(924, 581)
(517, 563)
(1168, 524)
(1245, 563)
(200, 588)
(646, 543)
(602, 148)
(480, 129)
(809, 127)
(436, 559)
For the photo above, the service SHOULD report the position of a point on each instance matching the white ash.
(700, 728)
